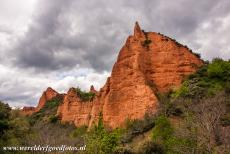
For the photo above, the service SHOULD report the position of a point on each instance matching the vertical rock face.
(148, 63)
(74, 110)
(127, 95)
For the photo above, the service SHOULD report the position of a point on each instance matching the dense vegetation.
(99, 140)
(47, 113)
(85, 96)
(195, 118)
(207, 81)
(199, 111)
(12, 127)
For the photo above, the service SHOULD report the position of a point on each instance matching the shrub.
(123, 150)
(141, 125)
(162, 130)
(4, 111)
(101, 141)
(196, 54)
(183, 91)
(173, 109)
(4, 117)
(136, 127)
(151, 147)
(214, 88)
(52, 103)
(219, 69)
(35, 117)
(85, 96)
(165, 136)
(53, 118)
(4, 125)
(79, 132)
(12, 129)
(146, 43)
(19, 126)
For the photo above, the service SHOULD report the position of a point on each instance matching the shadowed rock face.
(147, 63)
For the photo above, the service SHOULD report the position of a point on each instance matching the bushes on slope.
(207, 81)
(85, 96)
(100, 141)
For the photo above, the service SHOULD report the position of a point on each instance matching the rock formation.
(74, 110)
(148, 63)
(46, 96)
(28, 110)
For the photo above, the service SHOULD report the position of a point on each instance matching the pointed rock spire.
(92, 89)
(137, 31)
(49, 89)
(71, 91)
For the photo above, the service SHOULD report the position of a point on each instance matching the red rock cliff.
(147, 63)
(46, 96)
(74, 110)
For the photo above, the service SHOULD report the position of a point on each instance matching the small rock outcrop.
(46, 96)
(92, 89)
(28, 110)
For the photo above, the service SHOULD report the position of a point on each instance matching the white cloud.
(23, 87)
(83, 82)
(213, 37)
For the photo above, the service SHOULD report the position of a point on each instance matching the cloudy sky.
(70, 43)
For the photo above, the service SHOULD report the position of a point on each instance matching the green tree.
(4, 117)
(163, 130)
(100, 141)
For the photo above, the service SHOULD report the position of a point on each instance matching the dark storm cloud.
(65, 33)
(50, 44)
(180, 17)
